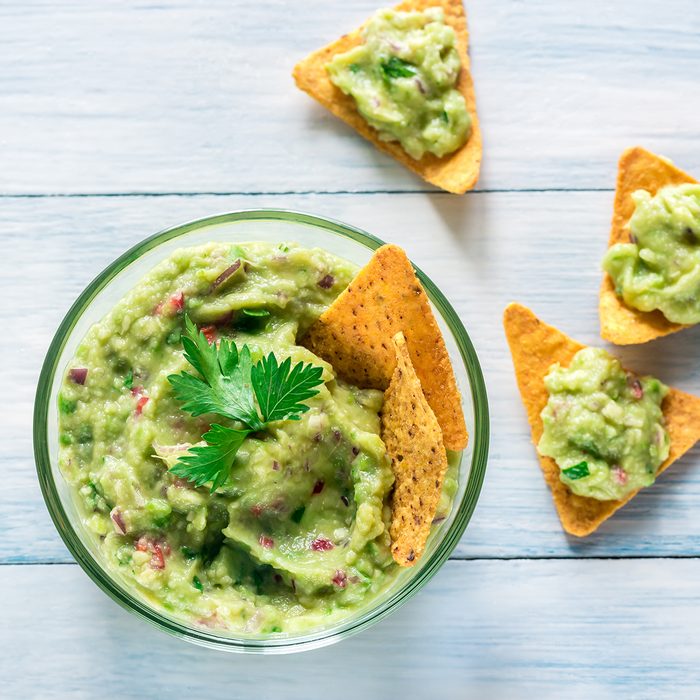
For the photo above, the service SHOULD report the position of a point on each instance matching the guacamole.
(603, 426)
(660, 267)
(297, 536)
(403, 80)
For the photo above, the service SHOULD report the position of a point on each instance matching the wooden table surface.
(118, 119)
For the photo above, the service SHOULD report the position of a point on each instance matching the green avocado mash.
(603, 426)
(297, 536)
(660, 268)
(403, 80)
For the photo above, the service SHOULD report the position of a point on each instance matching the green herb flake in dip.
(660, 267)
(603, 426)
(295, 535)
(403, 80)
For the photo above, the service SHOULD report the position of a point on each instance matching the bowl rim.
(316, 638)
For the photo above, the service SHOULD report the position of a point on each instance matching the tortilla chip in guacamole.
(354, 334)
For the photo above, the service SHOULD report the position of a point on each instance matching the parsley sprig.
(232, 386)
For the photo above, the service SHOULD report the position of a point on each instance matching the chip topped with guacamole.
(229, 474)
(648, 274)
(659, 269)
(402, 80)
(403, 77)
(599, 429)
(603, 426)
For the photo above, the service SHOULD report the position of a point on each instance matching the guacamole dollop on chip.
(638, 170)
(660, 267)
(603, 426)
(455, 172)
(535, 347)
(403, 77)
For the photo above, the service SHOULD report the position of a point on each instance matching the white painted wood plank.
(179, 96)
(544, 629)
(484, 250)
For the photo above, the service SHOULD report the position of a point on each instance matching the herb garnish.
(578, 471)
(396, 67)
(230, 385)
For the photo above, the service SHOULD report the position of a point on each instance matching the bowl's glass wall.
(107, 289)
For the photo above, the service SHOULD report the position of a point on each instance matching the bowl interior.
(274, 226)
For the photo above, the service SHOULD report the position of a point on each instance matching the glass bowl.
(111, 285)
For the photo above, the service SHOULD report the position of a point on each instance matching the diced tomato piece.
(157, 549)
(140, 404)
(177, 301)
(209, 333)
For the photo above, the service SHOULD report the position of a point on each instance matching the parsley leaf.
(396, 67)
(578, 471)
(229, 385)
(280, 389)
(225, 387)
(211, 462)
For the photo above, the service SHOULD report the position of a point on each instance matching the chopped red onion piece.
(117, 521)
(340, 579)
(158, 558)
(635, 387)
(326, 282)
(321, 544)
(78, 375)
(318, 487)
(266, 542)
(620, 475)
(225, 275)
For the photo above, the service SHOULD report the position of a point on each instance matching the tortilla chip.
(535, 346)
(456, 172)
(413, 440)
(619, 323)
(354, 335)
